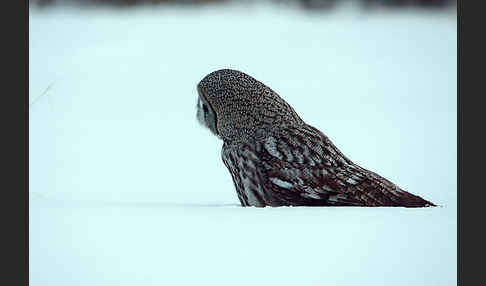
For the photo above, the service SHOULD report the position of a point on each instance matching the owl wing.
(301, 166)
(244, 164)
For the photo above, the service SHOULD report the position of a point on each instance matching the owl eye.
(205, 108)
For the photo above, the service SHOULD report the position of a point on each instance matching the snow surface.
(126, 188)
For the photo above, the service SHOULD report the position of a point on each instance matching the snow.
(126, 188)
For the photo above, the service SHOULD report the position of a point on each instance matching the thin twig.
(41, 95)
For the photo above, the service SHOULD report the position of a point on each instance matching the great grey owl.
(276, 159)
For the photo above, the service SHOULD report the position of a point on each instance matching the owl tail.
(370, 189)
(381, 192)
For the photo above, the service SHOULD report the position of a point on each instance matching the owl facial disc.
(205, 113)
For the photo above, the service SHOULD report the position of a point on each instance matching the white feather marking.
(330, 149)
(326, 188)
(356, 176)
(271, 147)
(281, 183)
(396, 191)
(311, 195)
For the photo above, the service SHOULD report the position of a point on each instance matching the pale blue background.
(127, 189)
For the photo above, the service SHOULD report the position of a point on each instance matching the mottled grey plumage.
(276, 159)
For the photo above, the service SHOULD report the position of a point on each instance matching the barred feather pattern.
(302, 167)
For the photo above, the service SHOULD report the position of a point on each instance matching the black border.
(15, 115)
(24, 156)
(460, 190)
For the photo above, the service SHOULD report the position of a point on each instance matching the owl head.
(235, 106)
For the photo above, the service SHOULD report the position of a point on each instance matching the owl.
(276, 159)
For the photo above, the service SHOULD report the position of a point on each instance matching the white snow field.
(126, 188)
